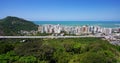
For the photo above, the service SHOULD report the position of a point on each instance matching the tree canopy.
(71, 50)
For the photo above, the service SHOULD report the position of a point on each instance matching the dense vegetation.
(73, 50)
(12, 25)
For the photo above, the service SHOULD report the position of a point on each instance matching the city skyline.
(62, 10)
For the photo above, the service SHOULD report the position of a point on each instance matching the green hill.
(12, 25)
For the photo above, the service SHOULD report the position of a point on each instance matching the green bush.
(27, 59)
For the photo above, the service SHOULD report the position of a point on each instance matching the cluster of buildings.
(110, 34)
(77, 30)
(32, 32)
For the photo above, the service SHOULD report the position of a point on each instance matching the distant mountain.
(12, 25)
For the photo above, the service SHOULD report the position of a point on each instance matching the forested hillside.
(74, 50)
(13, 25)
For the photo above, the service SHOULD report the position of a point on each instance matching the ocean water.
(107, 24)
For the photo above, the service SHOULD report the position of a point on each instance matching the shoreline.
(106, 24)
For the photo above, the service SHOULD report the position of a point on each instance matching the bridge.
(49, 36)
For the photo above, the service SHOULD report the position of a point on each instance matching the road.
(48, 36)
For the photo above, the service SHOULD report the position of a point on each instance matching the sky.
(62, 10)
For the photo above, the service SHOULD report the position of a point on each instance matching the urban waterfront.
(60, 31)
(110, 34)
(106, 24)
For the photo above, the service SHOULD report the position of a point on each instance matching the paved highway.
(48, 36)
